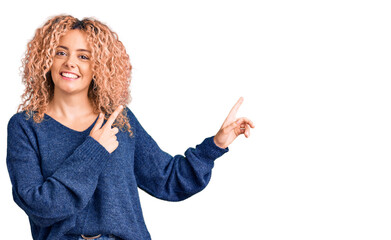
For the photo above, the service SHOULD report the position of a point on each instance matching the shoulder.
(130, 115)
(18, 119)
(21, 120)
(128, 111)
(133, 121)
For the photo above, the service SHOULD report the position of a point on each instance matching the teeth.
(69, 75)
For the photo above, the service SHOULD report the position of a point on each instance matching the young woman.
(76, 154)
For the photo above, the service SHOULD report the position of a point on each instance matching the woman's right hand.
(106, 135)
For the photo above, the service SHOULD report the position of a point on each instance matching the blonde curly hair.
(111, 67)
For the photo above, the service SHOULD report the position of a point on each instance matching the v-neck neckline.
(70, 129)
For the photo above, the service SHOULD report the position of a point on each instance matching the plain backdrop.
(316, 81)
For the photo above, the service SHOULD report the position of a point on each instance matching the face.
(72, 68)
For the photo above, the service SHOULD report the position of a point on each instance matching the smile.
(69, 75)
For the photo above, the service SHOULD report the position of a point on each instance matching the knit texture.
(69, 184)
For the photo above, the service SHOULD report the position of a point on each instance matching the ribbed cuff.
(95, 154)
(86, 163)
(93, 149)
(210, 150)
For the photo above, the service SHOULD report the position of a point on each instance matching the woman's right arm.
(67, 191)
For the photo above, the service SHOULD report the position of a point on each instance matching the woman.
(76, 155)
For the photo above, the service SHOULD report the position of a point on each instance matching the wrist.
(217, 144)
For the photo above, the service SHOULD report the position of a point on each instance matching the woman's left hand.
(233, 127)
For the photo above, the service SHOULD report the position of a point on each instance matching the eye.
(60, 53)
(84, 57)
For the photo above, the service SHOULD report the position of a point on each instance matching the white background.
(315, 77)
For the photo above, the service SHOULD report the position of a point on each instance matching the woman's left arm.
(175, 178)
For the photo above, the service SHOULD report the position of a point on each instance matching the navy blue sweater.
(69, 184)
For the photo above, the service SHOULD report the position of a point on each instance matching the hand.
(106, 135)
(233, 127)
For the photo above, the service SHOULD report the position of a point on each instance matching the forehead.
(74, 39)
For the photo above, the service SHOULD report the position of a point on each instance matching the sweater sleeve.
(172, 178)
(67, 191)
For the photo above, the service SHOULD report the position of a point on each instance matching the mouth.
(69, 75)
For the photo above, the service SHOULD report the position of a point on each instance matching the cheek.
(54, 66)
(54, 70)
(87, 71)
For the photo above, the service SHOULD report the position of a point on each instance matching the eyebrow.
(81, 50)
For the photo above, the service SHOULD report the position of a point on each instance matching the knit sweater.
(69, 184)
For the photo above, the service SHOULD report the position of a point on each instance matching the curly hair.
(111, 68)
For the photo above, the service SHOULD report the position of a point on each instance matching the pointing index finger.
(113, 116)
(234, 110)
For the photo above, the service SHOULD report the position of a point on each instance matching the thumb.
(232, 126)
(98, 123)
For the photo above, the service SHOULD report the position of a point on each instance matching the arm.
(167, 177)
(67, 191)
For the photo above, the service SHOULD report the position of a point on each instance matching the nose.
(70, 62)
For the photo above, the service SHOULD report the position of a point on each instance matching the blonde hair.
(109, 87)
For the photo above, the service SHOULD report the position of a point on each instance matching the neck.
(70, 106)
